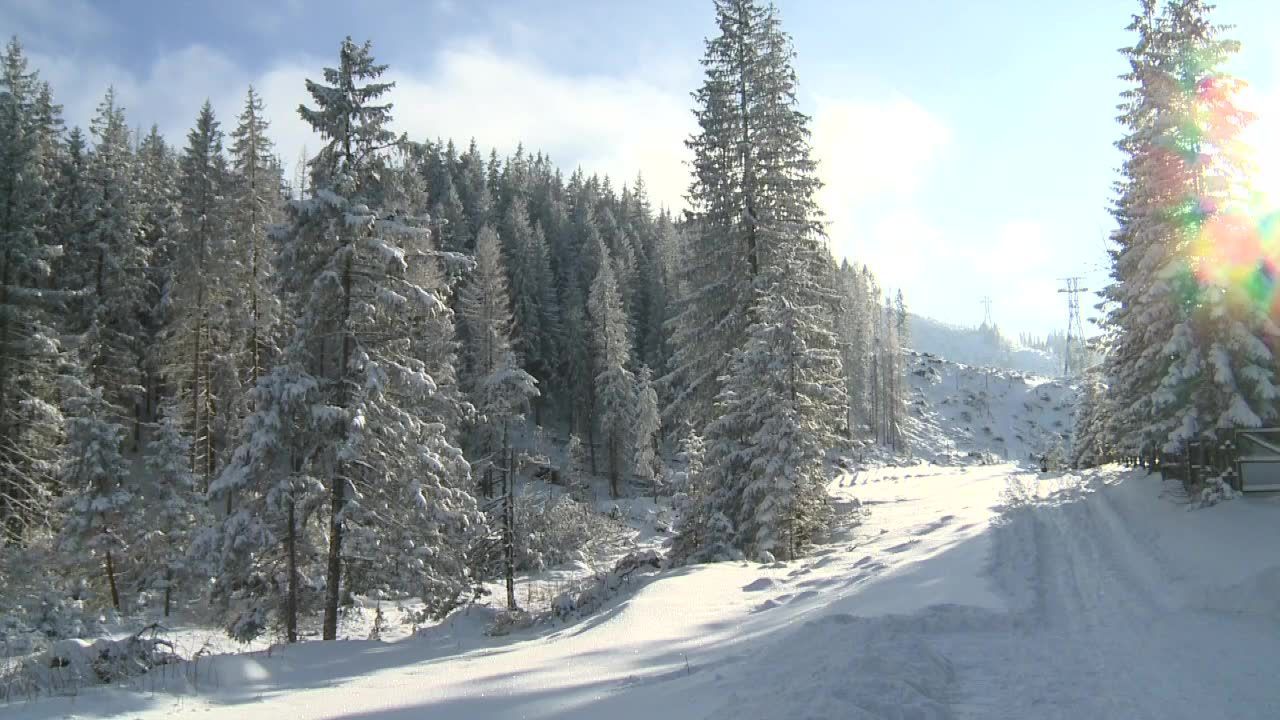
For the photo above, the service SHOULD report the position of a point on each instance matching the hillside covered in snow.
(958, 411)
(982, 346)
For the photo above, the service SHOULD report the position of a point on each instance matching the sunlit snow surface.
(966, 592)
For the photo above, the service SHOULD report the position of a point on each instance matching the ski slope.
(966, 592)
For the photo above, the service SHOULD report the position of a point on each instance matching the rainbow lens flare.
(1230, 236)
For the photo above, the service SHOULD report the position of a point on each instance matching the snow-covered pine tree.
(160, 229)
(762, 293)
(197, 286)
(30, 422)
(113, 344)
(99, 504)
(647, 460)
(255, 195)
(499, 389)
(615, 383)
(384, 463)
(174, 509)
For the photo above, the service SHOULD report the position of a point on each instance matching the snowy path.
(1111, 629)
(968, 592)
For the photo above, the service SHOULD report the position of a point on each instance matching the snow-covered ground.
(966, 592)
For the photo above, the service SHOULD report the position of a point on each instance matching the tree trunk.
(111, 580)
(338, 490)
(508, 524)
(168, 589)
(748, 173)
(291, 602)
(195, 400)
(591, 439)
(613, 465)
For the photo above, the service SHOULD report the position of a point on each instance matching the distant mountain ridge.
(981, 346)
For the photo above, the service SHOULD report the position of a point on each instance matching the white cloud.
(873, 157)
(608, 125)
(35, 20)
(614, 126)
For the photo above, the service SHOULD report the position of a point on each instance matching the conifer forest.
(412, 425)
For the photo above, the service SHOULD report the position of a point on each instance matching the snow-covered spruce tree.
(499, 389)
(259, 555)
(30, 422)
(197, 286)
(484, 304)
(256, 199)
(1091, 443)
(156, 172)
(173, 510)
(1186, 354)
(533, 301)
(751, 170)
(647, 461)
(891, 372)
(855, 334)
(781, 412)
(615, 383)
(390, 471)
(575, 469)
(703, 531)
(1223, 373)
(111, 336)
(761, 295)
(100, 508)
(473, 190)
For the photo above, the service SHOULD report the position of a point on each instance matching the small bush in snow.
(38, 605)
(554, 530)
(511, 621)
(1215, 491)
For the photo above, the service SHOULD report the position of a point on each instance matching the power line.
(1075, 326)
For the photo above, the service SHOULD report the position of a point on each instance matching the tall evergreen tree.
(757, 327)
(1187, 352)
(255, 194)
(198, 329)
(112, 344)
(616, 383)
(384, 461)
(30, 422)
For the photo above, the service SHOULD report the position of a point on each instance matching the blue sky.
(967, 147)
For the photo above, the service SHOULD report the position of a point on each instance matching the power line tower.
(986, 315)
(1075, 326)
